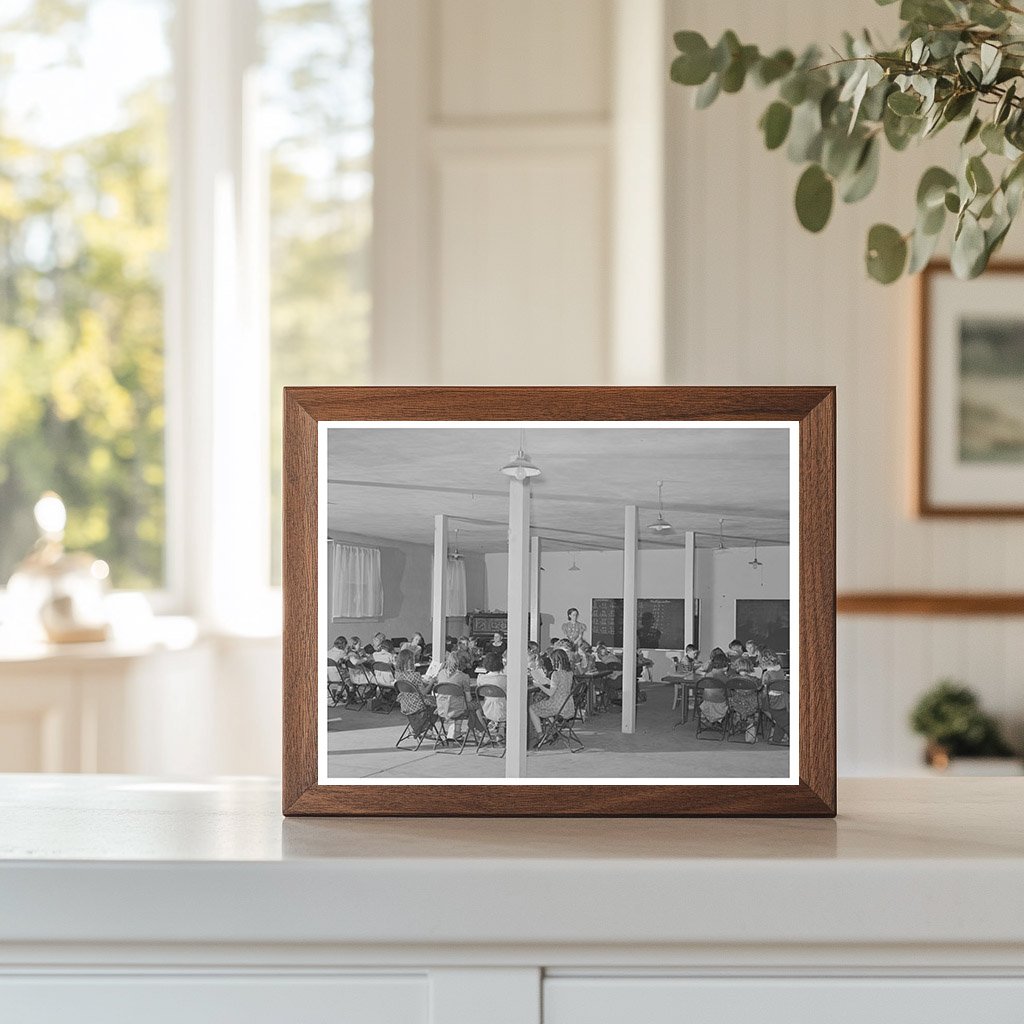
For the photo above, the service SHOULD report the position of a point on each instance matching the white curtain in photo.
(356, 588)
(455, 588)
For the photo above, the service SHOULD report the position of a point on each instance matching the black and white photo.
(549, 601)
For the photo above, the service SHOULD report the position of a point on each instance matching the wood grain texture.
(925, 603)
(923, 504)
(812, 407)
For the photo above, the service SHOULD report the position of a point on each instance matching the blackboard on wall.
(661, 622)
(766, 622)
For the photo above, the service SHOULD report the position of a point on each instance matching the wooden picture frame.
(811, 792)
(932, 375)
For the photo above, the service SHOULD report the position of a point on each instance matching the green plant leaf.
(973, 130)
(814, 195)
(865, 173)
(886, 253)
(968, 255)
(707, 93)
(904, 103)
(978, 176)
(693, 65)
(931, 191)
(794, 89)
(771, 69)
(735, 74)
(922, 247)
(993, 138)
(775, 124)
(952, 202)
(725, 49)
(805, 133)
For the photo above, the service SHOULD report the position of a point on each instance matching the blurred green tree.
(82, 233)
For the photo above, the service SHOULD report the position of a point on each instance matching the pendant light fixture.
(661, 524)
(574, 567)
(755, 563)
(521, 467)
(456, 555)
(721, 537)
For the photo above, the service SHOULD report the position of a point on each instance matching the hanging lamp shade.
(661, 524)
(521, 467)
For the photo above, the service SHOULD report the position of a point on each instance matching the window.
(317, 119)
(83, 236)
(237, 212)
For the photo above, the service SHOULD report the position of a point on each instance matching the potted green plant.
(950, 717)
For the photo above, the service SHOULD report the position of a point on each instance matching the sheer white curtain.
(356, 588)
(455, 588)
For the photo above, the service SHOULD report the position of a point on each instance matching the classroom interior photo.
(616, 602)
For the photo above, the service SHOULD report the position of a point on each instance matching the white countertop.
(122, 859)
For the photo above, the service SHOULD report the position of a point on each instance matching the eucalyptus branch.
(955, 61)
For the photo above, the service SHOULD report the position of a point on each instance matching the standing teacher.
(573, 630)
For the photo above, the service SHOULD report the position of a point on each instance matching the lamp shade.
(520, 467)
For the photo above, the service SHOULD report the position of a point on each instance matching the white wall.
(722, 579)
(754, 299)
(725, 578)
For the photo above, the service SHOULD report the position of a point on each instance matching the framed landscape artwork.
(491, 601)
(970, 450)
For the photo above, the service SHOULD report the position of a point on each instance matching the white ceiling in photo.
(389, 483)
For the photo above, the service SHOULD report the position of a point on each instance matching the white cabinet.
(132, 898)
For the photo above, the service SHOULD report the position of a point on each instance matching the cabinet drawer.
(667, 1000)
(205, 999)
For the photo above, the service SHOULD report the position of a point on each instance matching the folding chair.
(742, 698)
(362, 685)
(336, 686)
(714, 718)
(452, 696)
(775, 712)
(495, 718)
(563, 727)
(387, 695)
(422, 722)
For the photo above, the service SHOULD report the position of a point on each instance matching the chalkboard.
(661, 622)
(766, 622)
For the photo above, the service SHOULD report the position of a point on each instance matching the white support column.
(689, 585)
(629, 621)
(535, 589)
(518, 605)
(438, 610)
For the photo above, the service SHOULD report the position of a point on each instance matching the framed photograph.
(970, 450)
(559, 601)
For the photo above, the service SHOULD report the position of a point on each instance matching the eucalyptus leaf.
(707, 93)
(814, 196)
(931, 190)
(904, 103)
(775, 124)
(968, 247)
(993, 138)
(805, 133)
(771, 69)
(978, 176)
(973, 130)
(922, 247)
(886, 253)
(865, 173)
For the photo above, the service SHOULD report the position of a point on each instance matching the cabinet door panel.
(202, 999)
(569, 1000)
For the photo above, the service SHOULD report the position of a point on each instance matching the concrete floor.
(361, 744)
